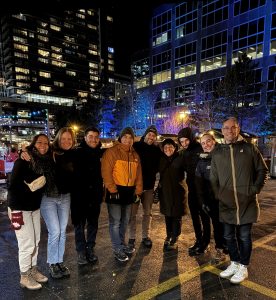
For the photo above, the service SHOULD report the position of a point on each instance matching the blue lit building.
(192, 44)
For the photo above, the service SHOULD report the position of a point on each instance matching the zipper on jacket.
(234, 183)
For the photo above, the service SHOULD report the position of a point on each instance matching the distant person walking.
(149, 154)
(238, 173)
(122, 176)
(24, 209)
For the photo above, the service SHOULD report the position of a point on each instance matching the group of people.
(219, 183)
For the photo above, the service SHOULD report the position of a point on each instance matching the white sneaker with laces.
(230, 271)
(240, 275)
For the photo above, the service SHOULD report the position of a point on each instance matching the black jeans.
(90, 221)
(239, 242)
(173, 227)
(201, 221)
(220, 242)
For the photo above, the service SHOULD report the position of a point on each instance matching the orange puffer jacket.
(121, 167)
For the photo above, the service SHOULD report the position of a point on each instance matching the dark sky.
(131, 21)
(132, 25)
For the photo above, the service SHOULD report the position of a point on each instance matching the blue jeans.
(55, 212)
(119, 216)
(239, 242)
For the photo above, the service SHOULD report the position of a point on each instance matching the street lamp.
(182, 115)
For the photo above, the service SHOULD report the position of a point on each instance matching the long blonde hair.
(56, 142)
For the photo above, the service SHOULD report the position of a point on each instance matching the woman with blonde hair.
(55, 204)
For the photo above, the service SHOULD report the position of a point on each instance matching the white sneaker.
(240, 275)
(230, 271)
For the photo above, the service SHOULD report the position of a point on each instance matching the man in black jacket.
(87, 194)
(149, 154)
(201, 221)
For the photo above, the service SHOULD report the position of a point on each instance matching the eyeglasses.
(230, 128)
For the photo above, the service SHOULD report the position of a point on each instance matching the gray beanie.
(126, 130)
(151, 128)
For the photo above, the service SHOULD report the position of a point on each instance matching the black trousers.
(173, 227)
(89, 222)
(201, 221)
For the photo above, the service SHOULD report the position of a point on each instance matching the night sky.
(131, 22)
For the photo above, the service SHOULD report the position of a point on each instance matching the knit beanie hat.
(127, 130)
(169, 142)
(151, 128)
(185, 133)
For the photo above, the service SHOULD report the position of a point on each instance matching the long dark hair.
(35, 138)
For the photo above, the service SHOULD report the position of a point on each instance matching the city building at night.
(193, 43)
(51, 61)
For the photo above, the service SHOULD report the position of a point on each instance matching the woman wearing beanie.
(122, 176)
(171, 192)
(190, 153)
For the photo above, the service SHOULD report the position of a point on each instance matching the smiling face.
(169, 149)
(127, 139)
(150, 138)
(184, 142)
(92, 139)
(207, 143)
(42, 145)
(230, 131)
(66, 141)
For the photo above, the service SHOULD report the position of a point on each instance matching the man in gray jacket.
(238, 173)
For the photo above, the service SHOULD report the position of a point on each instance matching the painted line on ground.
(184, 277)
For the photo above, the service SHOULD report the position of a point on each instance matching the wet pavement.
(150, 273)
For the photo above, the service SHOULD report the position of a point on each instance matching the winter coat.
(171, 191)
(20, 197)
(88, 183)
(121, 172)
(204, 188)
(149, 156)
(191, 158)
(238, 173)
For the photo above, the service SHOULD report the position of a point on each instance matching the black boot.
(82, 259)
(166, 243)
(91, 256)
(194, 247)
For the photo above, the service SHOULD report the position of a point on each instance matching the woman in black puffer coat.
(171, 192)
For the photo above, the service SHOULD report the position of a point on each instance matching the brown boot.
(28, 281)
(37, 276)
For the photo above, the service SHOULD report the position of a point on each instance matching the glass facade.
(194, 42)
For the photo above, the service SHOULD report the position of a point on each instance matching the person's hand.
(114, 196)
(16, 219)
(25, 155)
(137, 199)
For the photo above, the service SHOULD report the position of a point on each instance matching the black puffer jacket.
(238, 173)
(172, 200)
(190, 159)
(204, 188)
(149, 156)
